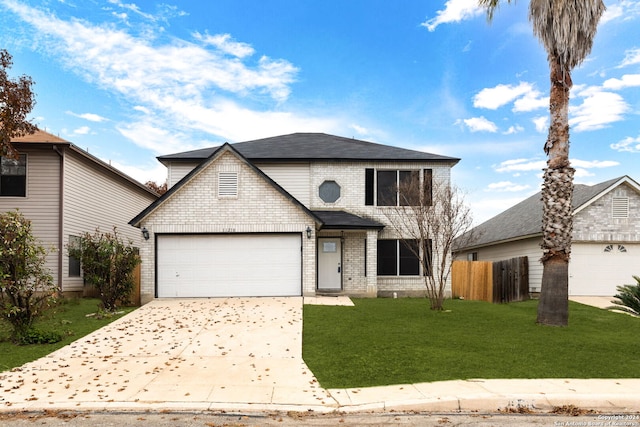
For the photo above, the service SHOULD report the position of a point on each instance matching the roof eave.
(498, 242)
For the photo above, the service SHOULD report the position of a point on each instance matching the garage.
(228, 265)
(596, 269)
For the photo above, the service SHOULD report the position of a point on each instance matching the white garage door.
(596, 269)
(229, 265)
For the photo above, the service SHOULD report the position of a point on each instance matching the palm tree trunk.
(557, 194)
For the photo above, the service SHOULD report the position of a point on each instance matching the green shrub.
(37, 336)
(108, 264)
(26, 285)
(628, 298)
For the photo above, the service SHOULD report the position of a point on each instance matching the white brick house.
(290, 215)
(605, 250)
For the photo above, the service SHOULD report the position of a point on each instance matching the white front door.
(329, 264)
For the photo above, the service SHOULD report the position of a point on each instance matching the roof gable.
(314, 146)
(525, 218)
(226, 148)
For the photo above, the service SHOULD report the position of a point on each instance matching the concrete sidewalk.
(245, 354)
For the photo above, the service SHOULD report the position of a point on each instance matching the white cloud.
(83, 130)
(155, 171)
(533, 100)
(582, 173)
(598, 109)
(225, 44)
(479, 124)
(514, 129)
(541, 123)
(629, 144)
(594, 164)
(520, 165)
(89, 116)
(631, 57)
(454, 11)
(187, 86)
(507, 186)
(526, 97)
(625, 9)
(360, 129)
(628, 80)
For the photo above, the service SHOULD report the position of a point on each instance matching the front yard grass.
(398, 341)
(69, 318)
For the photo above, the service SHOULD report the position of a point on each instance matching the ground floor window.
(398, 258)
(74, 263)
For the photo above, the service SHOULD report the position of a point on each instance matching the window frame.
(403, 260)
(74, 264)
(378, 186)
(23, 193)
(324, 191)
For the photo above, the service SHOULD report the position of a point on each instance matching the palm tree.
(566, 28)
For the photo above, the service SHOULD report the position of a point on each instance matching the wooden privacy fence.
(498, 281)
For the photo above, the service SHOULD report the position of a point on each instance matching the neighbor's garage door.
(229, 265)
(596, 269)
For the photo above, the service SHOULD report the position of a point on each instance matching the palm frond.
(566, 28)
(628, 298)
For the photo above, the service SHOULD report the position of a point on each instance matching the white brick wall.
(596, 222)
(196, 208)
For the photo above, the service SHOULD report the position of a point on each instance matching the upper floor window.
(329, 191)
(398, 187)
(13, 176)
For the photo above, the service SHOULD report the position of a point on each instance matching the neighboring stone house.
(605, 252)
(65, 192)
(297, 214)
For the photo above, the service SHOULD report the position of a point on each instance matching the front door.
(329, 264)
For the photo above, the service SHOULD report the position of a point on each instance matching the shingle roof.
(39, 136)
(346, 221)
(525, 218)
(313, 146)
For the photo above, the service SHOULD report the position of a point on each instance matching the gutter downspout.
(60, 216)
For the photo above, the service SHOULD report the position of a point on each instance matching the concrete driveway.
(195, 353)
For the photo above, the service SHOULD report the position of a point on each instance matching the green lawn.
(396, 341)
(68, 318)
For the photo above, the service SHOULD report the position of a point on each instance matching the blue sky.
(131, 81)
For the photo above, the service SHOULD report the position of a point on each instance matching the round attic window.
(329, 191)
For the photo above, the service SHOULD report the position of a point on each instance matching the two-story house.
(65, 191)
(297, 214)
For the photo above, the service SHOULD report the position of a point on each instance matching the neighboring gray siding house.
(65, 192)
(605, 252)
(297, 214)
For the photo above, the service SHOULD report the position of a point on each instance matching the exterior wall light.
(308, 232)
(145, 233)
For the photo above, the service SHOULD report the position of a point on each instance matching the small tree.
(26, 286)
(16, 102)
(108, 264)
(432, 214)
(158, 188)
